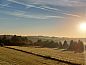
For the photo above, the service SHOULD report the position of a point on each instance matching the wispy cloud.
(3, 5)
(22, 14)
(45, 8)
(71, 3)
(19, 13)
(61, 11)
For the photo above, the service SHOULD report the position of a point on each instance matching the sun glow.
(83, 26)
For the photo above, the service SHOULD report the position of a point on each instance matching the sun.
(83, 26)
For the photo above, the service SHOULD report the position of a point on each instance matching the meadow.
(78, 58)
(13, 57)
(19, 50)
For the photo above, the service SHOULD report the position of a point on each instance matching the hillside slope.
(13, 57)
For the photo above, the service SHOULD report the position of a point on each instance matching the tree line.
(72, 46)
(21, 41)
(13, 40)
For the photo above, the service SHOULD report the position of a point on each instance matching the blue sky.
(41, 17)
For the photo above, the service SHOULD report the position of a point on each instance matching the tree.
(25, 41)
(65, 45)
(45, 43)
(80, 47)
(4, 39)
(18, 40)
(14, 40)
(72, 45)
(51, 44)
(38, 43)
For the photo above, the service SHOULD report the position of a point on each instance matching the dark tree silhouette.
(38, 43)
(80, 47)
(65, 45)
(46, 43)
(72, 45)
(51, 44)
(13, 40)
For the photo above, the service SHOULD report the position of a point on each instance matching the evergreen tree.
(80, 47)
(45, 43)
(72, 45)
(38, 43)
(65, 45)
(51, 44)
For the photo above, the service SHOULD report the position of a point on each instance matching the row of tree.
(13, 40)
(21, 41)
(72, 46)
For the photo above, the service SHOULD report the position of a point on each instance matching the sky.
(60, 18)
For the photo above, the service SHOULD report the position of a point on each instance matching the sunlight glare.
(83, 26)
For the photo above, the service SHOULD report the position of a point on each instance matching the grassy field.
(78, 58)
(13, 57)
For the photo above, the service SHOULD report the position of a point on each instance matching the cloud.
(46, 7)
(61, 11)
(19, 13)
(22, 14)
(71, 3)
(4, 4)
